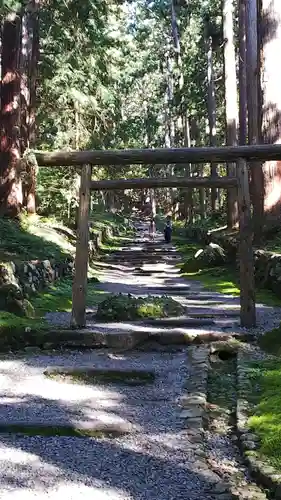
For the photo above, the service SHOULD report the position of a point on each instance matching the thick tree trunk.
(188, 194)
(202, 195)
(253, 83)
(271, 84)
(212, 115)
(231, 102)
(11, 197)
(33, 77)
(242, 74)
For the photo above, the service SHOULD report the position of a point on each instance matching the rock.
(28, 309)
(194, 422)
(121, 307)
(193, 400)
(192, 412)
(212, 255)
(219, 488)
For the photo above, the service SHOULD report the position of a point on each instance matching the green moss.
(41, 238)
(33, 238)
(58, 297)
(224, 279)
(99, 376)
(126, 307)
(221, 394)
(265, 420)
(271, 341)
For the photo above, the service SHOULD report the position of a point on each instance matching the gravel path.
(161, 457)
(139, 469)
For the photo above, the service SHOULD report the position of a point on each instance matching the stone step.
(213, 313)
(180, 321)
(130, 335)
(142, 258)
(202, 295)
(47, 425)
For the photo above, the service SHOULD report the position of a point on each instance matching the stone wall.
(33, 276)
(267, 264)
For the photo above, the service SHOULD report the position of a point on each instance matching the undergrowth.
(265, 421)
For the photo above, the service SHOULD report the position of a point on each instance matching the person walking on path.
(152, 229)
(168, 230)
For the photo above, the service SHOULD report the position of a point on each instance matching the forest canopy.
(133, 74)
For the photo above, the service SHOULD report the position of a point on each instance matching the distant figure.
(168, 230)
(152, 228)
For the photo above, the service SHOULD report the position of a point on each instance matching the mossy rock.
(128, 308)
(12, 300)
(212, 255)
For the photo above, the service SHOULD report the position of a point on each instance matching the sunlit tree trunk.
(11, 197)
(212, 115)
(253, 84)
(188, 194)
(271, 85)
(231, 102)
(33, 22)
(242, 74)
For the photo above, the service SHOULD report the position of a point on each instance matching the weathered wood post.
(79, 288)
(246, 256)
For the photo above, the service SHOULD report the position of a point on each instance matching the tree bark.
(253, 83)
(212, 115)
(271, 116)
(11, 197)
(33, 77)
(242, 74)
(231, 104)
(188, 194)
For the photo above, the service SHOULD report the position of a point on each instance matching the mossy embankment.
(31, 240)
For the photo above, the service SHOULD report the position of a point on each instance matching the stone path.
(146, 440)
(156, 450)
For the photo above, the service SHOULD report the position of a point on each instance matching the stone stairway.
(143, 268)
(146, 268)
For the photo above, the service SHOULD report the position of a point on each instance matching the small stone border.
(264, 474)
(194, 404)
(194, 401)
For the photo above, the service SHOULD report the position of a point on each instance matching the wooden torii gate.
(239, 154)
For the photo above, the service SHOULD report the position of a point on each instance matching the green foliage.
(109, 78)
(265, 421)
(126, 307)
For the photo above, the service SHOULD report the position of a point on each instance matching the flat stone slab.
(212, 313)
(92, 338)
(180, 321)
(38, 426)
(29, 398)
